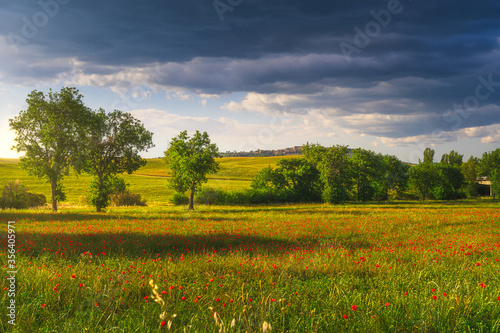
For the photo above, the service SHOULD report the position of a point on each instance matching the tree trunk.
(100, 190)
(53, 185)
(191, 197)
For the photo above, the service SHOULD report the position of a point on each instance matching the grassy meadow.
(151, 181)
(378, 267)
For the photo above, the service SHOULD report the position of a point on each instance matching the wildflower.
(445, 294)
(163, 323)
(434, 297)
(433, 290)
(345, 316)
(354, 307)
(387, 304)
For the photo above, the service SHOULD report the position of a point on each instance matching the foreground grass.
(304, 268)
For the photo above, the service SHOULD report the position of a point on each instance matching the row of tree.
(57, 132)
(333, 174)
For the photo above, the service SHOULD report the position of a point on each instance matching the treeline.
(337, 174)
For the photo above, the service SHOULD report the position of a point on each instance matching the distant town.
(296, 150)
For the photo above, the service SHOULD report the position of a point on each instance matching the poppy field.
(302, 268)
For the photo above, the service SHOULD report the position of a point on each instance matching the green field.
(151, 181)
(386, 267)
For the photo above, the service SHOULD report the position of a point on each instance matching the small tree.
(50, 132)
(190, 161)
(112, 147)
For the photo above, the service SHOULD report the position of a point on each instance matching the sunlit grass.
(150, 181)
(399, 267)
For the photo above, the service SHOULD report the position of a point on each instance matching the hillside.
(150, 181)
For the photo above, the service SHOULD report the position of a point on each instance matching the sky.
(394, 77)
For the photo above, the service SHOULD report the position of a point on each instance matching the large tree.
(113, 145)
(50, 132)
(190, 160)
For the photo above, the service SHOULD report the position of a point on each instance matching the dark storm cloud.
(423, 60)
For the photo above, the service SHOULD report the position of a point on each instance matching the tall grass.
(399, 267)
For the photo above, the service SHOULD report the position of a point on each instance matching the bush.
(207, 196)
(100, 194)
(17, 196)
(125, 198)
(179, 199)
(210, 196)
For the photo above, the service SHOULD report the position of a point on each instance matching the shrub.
(100, 193)
(36, 199)
(207, 196)
(17, 196)
(125, 198)
(179, 199)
